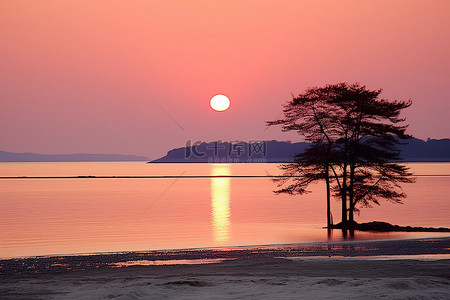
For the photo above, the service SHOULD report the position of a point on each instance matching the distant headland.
(79, 157)
(415, 150)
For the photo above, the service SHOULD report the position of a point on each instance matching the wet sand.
(341, 270)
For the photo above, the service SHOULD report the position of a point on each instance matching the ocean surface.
(52, 216)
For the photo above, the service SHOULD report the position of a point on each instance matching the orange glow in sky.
(110, 76)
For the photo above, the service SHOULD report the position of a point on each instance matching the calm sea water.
(86, 215)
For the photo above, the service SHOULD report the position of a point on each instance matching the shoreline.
(333, 249)
(388, 269)
(229, 247)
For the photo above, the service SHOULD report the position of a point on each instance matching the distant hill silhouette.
(430, 150)
(80, 157)
(243, 152)
(275, 151)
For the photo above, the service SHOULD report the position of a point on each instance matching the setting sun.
(220, 103)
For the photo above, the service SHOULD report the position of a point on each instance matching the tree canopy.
(353, 135)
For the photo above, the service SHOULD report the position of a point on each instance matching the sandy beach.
(409, 269)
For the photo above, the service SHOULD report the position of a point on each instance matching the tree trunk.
(344, 189)
(327, 181)
(353, 159)
(344, 196)
(351, 194)
(350, 212)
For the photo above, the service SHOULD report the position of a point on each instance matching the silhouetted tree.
(353, 135)
(310, 116)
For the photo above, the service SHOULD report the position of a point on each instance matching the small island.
(377, 226)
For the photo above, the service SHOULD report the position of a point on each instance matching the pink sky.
(112, 76)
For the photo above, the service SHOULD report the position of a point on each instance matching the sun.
(220, 103)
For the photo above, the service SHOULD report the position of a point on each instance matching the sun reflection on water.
(220, 203)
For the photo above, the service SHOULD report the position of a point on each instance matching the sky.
(136, 77)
